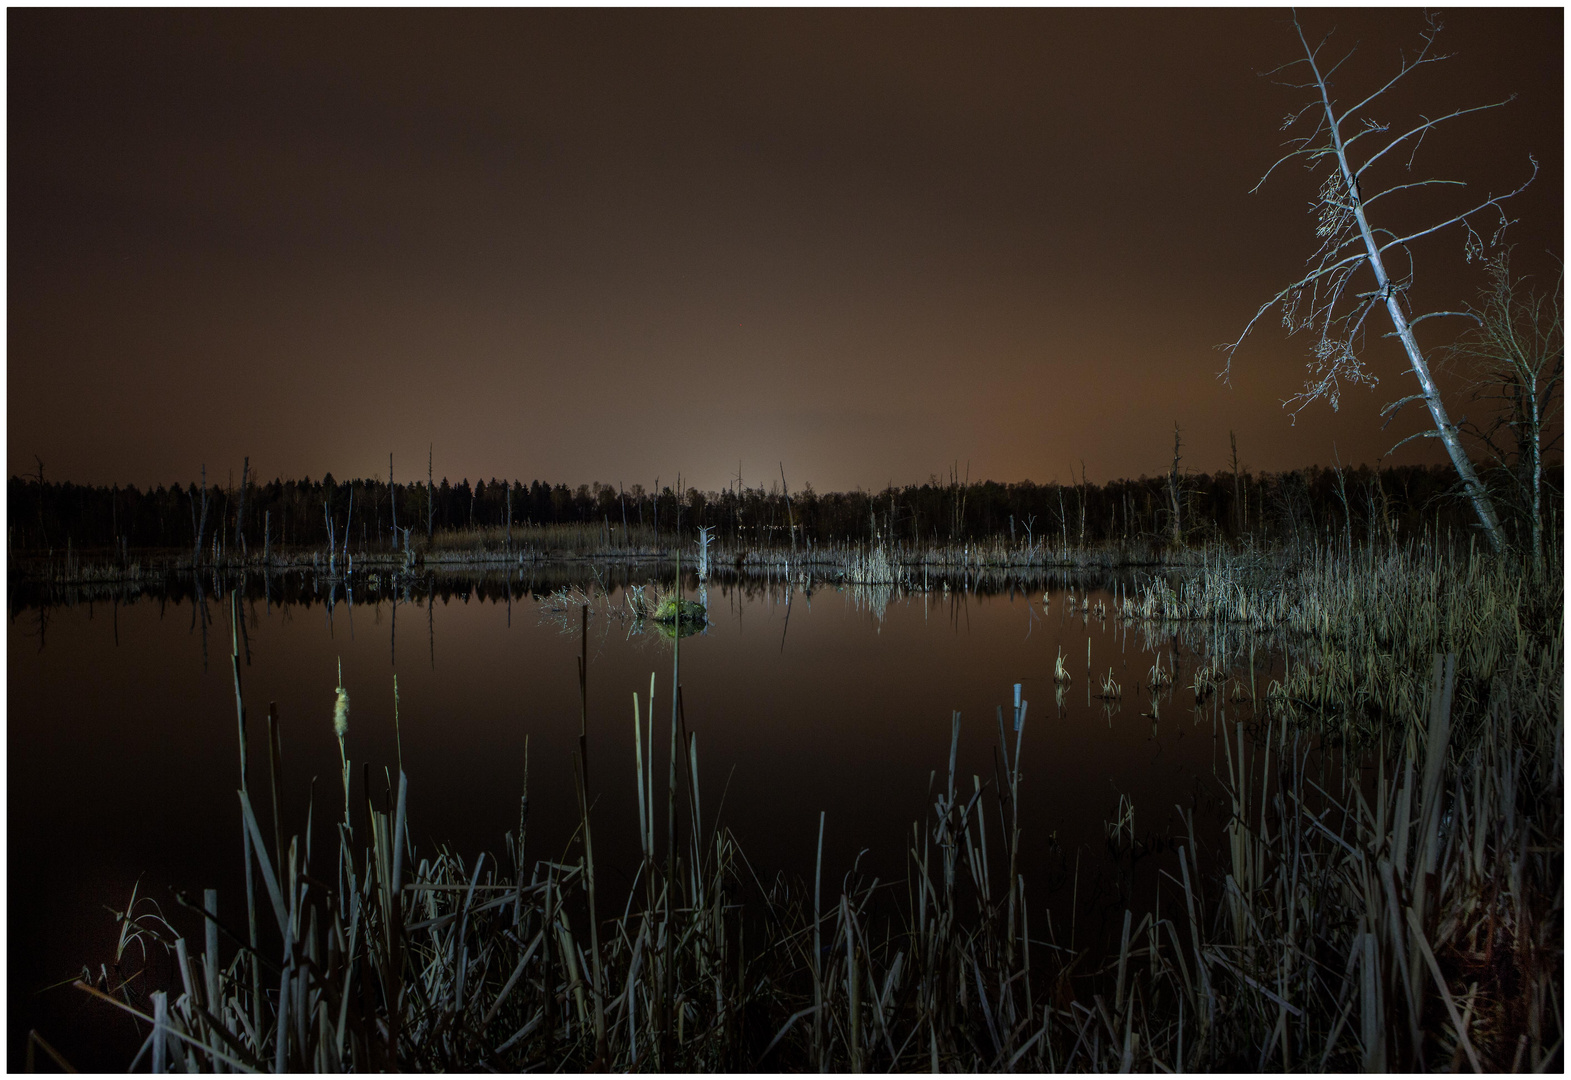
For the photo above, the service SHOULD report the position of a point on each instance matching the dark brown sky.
(613, 245)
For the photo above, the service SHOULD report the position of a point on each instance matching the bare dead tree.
(1085, 493)
(43, 536)
(1341, 494)
(1173, 482)
(245, 478)
(1515, 356)
(1238, 498)
(392, 496)
(1349, 278)
(349, 518)
(790, 514)
(199, 527)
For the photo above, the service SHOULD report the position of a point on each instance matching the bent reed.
(1389, 892)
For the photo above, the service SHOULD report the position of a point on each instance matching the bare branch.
(1428, 433)
(1435, 315)
(1279, 297)
(1370, 128)
(1326, 78)
(1285, 66)
(1419, 183)
(1357, 327)
(1285, 157)
(1425, 126)
(1493, 200)
(1394, 407)
(1407, 69)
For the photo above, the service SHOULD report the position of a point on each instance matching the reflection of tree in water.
(199, 615)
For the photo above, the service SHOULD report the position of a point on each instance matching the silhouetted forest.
(1304, 505)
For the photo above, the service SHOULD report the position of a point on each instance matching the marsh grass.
(673, 609)
(535, 542)
(1387, 902)
(905, 564)
(1361, 630)
(1111, 690)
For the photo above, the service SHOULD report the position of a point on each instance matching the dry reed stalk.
(1340, 905)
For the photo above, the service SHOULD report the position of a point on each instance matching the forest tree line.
(1300, 505)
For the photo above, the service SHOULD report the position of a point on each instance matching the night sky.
(615, 245)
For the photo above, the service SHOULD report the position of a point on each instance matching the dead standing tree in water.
(198, 525)
(1335, 300)
(1174, 480)
(245, 480)
(392, 497)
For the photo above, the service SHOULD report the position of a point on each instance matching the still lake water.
(124, 763)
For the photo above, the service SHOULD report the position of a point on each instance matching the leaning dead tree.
(1360, 268)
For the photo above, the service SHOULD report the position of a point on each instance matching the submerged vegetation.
(1387, 892)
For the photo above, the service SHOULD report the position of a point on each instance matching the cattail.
(341, 713)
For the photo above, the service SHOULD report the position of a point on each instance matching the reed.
(1363, 627)
(1158, 676)
(1111, 690)
(1394, 903)
(481, 547)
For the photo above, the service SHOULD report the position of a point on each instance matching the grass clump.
(672, 609)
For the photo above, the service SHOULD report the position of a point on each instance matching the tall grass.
(1361, 630)
(1393, 902)
(488, 546)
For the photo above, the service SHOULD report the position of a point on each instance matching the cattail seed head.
(341, 713)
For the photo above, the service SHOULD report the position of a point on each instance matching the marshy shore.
(1387, 892)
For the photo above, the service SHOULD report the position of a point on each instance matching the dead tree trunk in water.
(790, 514)
(349, 518)
(430, 489)
(1172, 493)
(201, 526)
(1085, 491)
(392, 496)
(245, 475)
(43, 536)
(1238, 520)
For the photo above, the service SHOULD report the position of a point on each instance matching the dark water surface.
(124, 761)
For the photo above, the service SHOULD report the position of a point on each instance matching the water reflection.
(807, 696)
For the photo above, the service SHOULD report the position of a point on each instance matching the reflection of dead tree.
(1334, 301)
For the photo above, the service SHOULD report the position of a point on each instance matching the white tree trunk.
(1483, 506)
